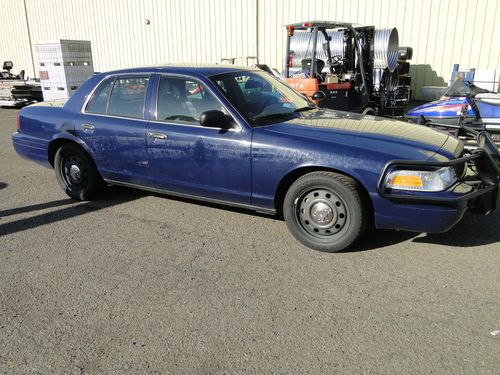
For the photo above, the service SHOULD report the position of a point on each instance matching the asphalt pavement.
(142, 283)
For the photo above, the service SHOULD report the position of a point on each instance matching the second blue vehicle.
(240, 137)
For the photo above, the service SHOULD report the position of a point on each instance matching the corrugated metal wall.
(179, 30)
(441, 32)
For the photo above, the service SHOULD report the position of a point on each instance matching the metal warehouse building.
(128, 33)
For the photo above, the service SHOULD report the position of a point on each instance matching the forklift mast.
(360, 64)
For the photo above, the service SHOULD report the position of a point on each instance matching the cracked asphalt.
(142, 283)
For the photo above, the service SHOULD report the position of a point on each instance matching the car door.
(187, 158)
(113, 127)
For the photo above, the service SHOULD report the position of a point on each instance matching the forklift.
(347, 68)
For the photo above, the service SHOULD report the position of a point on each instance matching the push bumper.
(477, 191)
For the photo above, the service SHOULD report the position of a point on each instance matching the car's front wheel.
(77, 173)
(325, 211)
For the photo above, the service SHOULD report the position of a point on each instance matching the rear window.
(122, 96)
(99, 102)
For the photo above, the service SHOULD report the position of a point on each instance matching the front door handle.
(157, 136)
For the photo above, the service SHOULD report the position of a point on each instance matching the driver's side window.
(183, 100)
(257, 93)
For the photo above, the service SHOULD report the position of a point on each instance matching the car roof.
(190, 69)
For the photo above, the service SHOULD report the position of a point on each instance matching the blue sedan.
(238, 136)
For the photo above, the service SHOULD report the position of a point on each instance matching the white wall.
(441, 32)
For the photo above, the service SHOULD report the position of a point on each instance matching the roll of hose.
(385, 47)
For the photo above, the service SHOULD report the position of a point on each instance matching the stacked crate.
(64, 65)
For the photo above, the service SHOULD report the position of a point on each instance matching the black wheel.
(77, 173)
(325, 211)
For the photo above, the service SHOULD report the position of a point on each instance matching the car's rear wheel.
(77, 173)
(325, 211)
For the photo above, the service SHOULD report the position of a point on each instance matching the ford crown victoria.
(240, 137)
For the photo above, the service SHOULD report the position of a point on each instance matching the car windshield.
(260, 97)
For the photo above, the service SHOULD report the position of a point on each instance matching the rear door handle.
(157, 136)
(88, 128)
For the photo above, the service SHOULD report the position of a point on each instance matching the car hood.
(358, 129)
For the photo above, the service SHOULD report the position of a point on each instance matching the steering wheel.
(336, 60)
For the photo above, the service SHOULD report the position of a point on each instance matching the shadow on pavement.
(220, 206)
(113, 197)
(374, 239)
(3, 185)
(35, 207)
(472, 230)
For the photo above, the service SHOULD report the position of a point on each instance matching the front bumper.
(477, 191)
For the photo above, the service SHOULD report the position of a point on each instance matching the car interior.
(183, 100)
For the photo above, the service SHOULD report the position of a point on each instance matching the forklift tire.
(369, 111)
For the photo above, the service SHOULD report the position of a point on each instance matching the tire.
(369, 111)
(325, 211)
(77, 173)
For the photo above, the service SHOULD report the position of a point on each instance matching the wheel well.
(291, 177)
(55, 145)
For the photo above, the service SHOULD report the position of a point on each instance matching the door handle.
(88, 127)
(156, 135)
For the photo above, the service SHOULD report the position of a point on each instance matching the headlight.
(437, 180)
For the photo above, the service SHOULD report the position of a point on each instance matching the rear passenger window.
(99, 102)
(127, 97)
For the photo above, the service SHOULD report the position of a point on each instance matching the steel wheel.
(325, 211)
(321, 213)
(77, 173)
(74, 172)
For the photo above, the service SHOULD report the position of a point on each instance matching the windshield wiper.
(306, 108)
(272, 115)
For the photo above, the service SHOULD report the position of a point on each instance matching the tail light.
(18, 123)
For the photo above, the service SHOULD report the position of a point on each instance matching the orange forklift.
(348, 68)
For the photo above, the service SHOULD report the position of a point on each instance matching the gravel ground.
(143, 283)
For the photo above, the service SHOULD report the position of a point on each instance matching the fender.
(65, 137)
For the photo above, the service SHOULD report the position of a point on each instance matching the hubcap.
(74, 173)
(321, 213)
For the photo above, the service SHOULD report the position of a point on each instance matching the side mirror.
(318, 95)
(216, 119)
